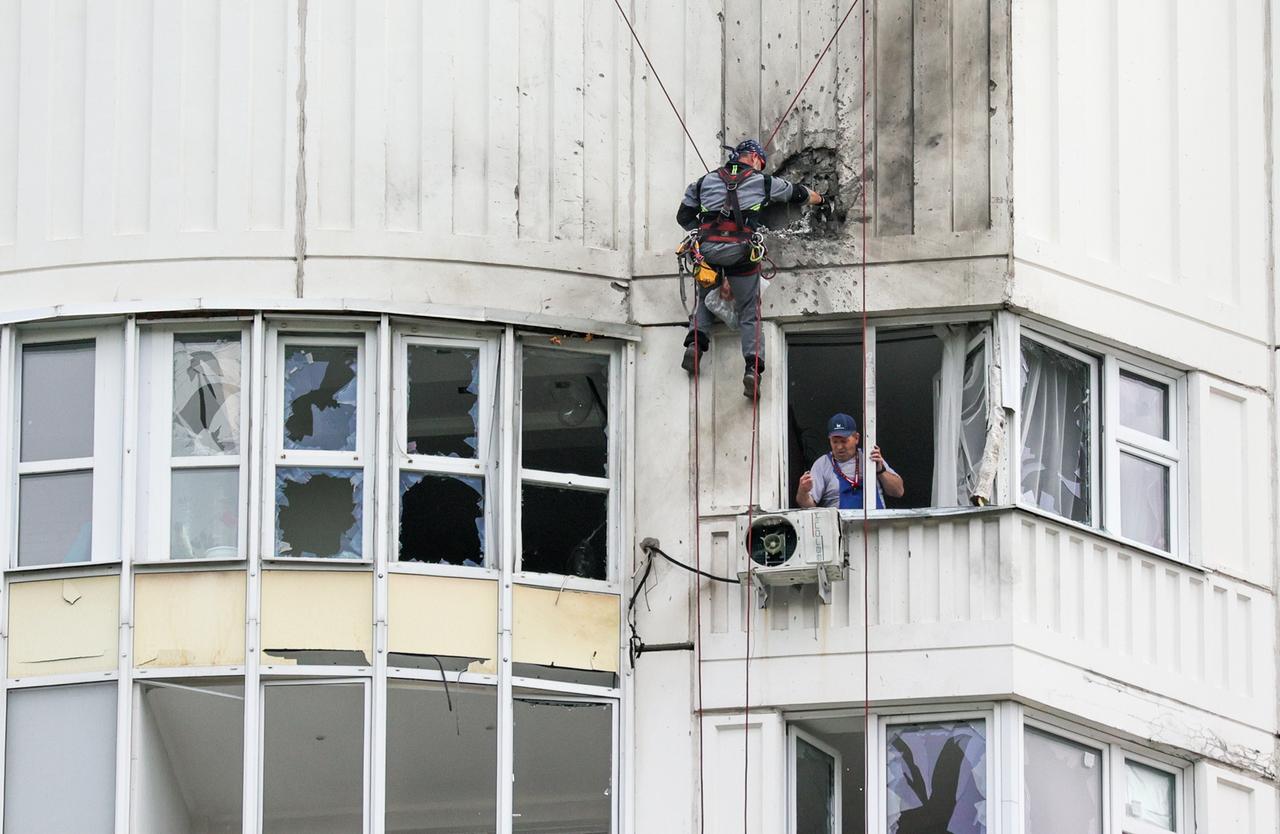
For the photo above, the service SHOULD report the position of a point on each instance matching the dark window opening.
(318, 513)
(824, 377)
(814, 808)
(565, 412)
(441, 519)
(564, 531)
(908, 363)
(443, 401)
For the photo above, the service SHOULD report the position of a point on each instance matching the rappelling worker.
(724, 207)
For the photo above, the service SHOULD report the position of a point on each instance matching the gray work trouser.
(746, 299)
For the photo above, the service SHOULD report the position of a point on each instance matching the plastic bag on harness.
(720, 306)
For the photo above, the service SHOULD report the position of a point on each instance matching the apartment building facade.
(339, 386)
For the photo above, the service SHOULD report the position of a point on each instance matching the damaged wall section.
(64, 626)
(189, 619)
(317, 618)
(435, 617)
(565, 629)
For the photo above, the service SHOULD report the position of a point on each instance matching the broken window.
(442, 519)
(1063, 791)
(56, 450)
(320, 390)
(937, 777)
(1059, 416)
(188, 756)
(563, 777)
(1151, 796)
(444, 451)
(313, 757)
(60, 759)
(319, 513)
(564, 531)
(929, 396)
(565, 462)
(442, 758)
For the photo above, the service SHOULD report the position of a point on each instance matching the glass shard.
(441, 519)
(937, 778)
(1063, 786)
(564, 531)
(565, 412)
(55, 518)
(320, 389)
(204, 515)
(443, 401)
(57, 401)
(319, 513)
(1057, 421)
(562, 786)
(206, 395)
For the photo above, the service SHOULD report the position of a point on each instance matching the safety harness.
(731, 224)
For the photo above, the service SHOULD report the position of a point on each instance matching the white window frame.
(367, 735)
(1114, 753)
(158, 346)
(795, 734)
(1110, 438)
(484, 466)
(104, 465)
(611, 485)
(322, 334)
(868, 429)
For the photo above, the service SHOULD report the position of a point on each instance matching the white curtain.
(960, 413)
(1056, 422)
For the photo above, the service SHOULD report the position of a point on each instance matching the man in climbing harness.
(721, 210)
(835, 479)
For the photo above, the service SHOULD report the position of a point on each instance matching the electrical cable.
(728, 580)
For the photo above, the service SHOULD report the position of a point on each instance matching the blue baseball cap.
(841, 425)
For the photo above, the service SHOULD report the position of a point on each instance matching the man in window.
(835, 479)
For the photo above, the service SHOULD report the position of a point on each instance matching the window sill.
(444, 569)
(566, 583)
(162, 565)
(68, 568)
(275, 562)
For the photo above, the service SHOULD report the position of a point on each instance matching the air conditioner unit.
(793, 547)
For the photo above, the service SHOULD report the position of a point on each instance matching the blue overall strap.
(851, 488)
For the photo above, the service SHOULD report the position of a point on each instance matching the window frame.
(987, 318)
(363, 337)
(104, 465)
(1111, 439)
(161, 462)
(611, 485)
(795, 734)
(491, 413)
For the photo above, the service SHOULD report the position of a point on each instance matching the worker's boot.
(695, 356)
(752, 377)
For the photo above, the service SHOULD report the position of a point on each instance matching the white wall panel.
(1139, 161)
(142, 130)
(1227, 801)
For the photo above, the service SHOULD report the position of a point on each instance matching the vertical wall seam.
(300, 184)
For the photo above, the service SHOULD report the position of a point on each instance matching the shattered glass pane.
(815, 789)
(320, 397)
(204, 519)
(442, 754)
(1063, 786)
(441, 519)
(564, 531)
(1151, 795)
(1144, 405)
(1057, 420)
(1144, 501)
(319, 513)
(565, 412)
(563, 769)
(55, 518)
(57, 401)
(206, 394)
(937, 778)
(444, 388)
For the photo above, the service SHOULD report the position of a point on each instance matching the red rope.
(645, 53)
(809, 77)
(751, 507)
(697, 563)
(866, 558)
